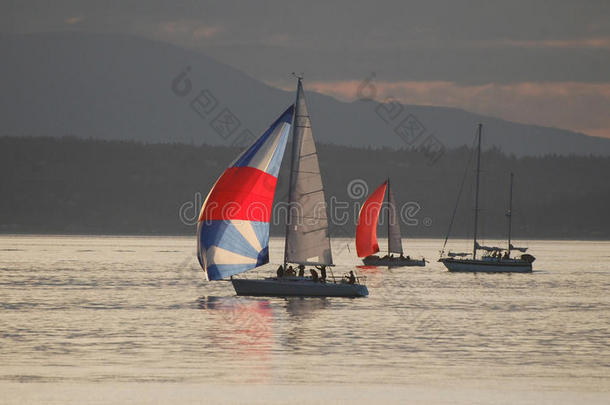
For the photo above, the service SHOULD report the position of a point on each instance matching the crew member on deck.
(301, 270)
(322, 273)
(314, 275)
(280, 271)
(352, 277)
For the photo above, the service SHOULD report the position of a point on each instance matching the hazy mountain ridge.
(124, 87)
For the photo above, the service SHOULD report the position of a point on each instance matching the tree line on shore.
(75, 185)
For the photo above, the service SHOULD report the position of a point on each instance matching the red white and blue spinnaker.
(233, 228)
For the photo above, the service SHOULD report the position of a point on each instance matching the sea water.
(100, 319)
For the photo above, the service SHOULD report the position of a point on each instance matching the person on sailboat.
(290, 272)
(280, 271)
(352, 277)
(322, 273)
(301, 270)
(314, 275)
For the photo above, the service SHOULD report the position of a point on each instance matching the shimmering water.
(131, 319)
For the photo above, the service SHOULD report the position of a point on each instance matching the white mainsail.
(307, 239)
(394, 238)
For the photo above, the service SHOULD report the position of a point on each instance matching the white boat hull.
(392, 262)
(297, 287)
(487, 266)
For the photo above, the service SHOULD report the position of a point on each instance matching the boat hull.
(296, 287)
(392, 262)
(487, 266)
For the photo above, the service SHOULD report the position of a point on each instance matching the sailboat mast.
(389, 208)
(509, 214)
(295, 152)
(476, 196)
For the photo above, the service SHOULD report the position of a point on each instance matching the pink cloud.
(205, 32)
(190, 28)
(582, 107)
(74, 20)
(600, 43)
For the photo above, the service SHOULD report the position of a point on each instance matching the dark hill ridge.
(120, 87)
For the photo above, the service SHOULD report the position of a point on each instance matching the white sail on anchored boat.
(495, 259)
(366, 232)
(233, 228)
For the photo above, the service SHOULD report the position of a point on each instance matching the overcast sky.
(539, 62)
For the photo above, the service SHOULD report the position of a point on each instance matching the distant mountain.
(120, 87)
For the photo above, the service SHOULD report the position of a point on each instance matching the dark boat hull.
(392, 262)
(296, 287)
(487, 266)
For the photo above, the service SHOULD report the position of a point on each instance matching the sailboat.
(495, 259)
(366, 232)
(233, 227)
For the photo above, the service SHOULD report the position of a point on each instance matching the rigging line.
(458, 197)
(314, 230)
(323, 228)
(312, 192)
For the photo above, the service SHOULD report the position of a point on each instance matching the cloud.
(190, 29)
(593, 43)
(74, 20)
(577, 106)
(206, 32)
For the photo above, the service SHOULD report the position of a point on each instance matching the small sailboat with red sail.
(366, 231)
(233, 227)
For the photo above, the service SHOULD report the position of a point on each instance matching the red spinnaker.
(366, 231)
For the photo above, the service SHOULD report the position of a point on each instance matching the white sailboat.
(233, 230)
(495, 259)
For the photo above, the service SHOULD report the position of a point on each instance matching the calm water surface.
(124, 315)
